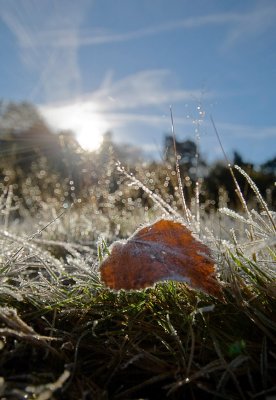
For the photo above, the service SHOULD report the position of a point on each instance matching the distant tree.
(35, 159)
(269, 167)
(238, 160)
(190, 161)
(125, 153)
(17, 117)
(219, 179)
(186, 150)
(24, 135)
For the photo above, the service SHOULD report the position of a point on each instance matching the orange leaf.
(165, 250)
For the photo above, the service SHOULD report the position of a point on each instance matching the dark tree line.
(217, 177)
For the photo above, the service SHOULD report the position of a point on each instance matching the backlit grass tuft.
(63, 335)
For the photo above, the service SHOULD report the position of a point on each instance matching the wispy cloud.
(122, 102)
(49, 41)
(145, 88)
(252, 24)
(103, 36)
(57, 68)
(49, 46)
(247, 132)
(123, 107)
(237, 25)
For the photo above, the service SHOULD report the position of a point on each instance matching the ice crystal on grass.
(165, 207)
(168, 340)
(29, 271)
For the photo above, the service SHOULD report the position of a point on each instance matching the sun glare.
(83, 119)
(88, 126)
(89, 140)
(90, 132)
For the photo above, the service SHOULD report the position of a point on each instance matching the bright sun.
(89, 132)
(89, 127)
(83, 119)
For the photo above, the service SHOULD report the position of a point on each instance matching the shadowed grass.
(168, 340)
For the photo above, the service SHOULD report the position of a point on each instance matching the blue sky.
(119, 65)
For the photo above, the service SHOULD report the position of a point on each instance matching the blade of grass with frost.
(238, 189)
(26, 241)
(180, 186)
(258, 194)
(102, 249)
(254, 273)
(6, 200)
(165, 207)
(262, 221)
(237, 216)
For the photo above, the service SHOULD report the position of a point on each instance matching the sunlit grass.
(66, 336)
